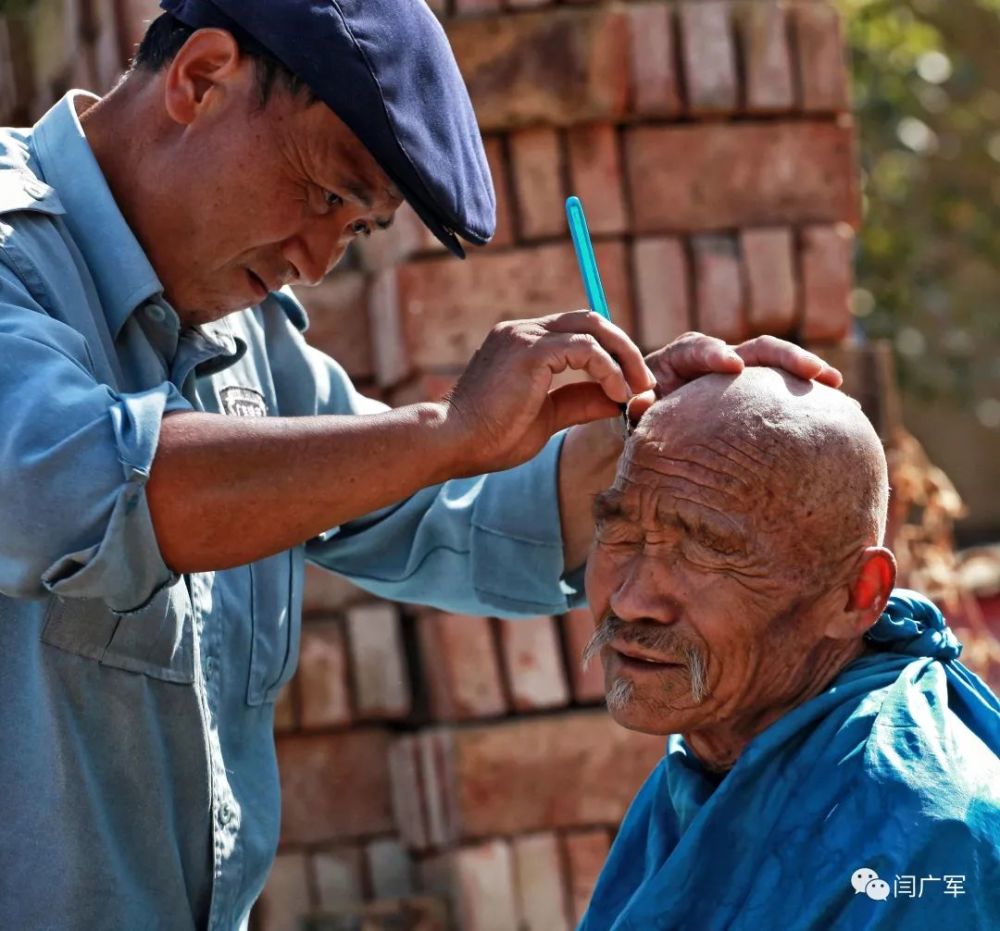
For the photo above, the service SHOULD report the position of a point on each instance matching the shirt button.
(210, 667)
(35, 189)
(155, 312)
(225, 813)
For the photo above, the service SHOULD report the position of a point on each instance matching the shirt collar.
(121, 271)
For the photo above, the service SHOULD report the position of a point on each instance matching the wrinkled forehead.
(693, 473)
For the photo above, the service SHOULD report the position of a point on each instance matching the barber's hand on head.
(504, 406)
(695, 354)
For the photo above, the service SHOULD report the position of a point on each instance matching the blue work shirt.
(138, 776)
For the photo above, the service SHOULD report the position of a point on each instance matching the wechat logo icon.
(866, 880)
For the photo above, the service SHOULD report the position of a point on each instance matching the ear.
(207, 65)
(868, 592)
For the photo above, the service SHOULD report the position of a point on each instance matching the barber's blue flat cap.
(386, 69)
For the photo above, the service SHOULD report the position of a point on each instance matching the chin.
(195, 309)
(633, 710)
(630, 711)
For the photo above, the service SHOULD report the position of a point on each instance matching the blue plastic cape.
(874, 805)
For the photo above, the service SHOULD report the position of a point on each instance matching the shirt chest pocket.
(275, 611)
(155, 640)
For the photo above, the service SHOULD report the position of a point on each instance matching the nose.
(314, 251)
(644, 591)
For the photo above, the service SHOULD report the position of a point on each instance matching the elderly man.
(171, 450)
(830, 764)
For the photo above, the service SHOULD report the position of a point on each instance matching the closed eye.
(616, 533)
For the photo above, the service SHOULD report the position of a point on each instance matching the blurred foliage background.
(926, 77)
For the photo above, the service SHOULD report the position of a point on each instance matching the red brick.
(326, 592)
(554, 67)
(708, 56)
(535, 162)
(284, 709)
(720, 176)
(525, 4)
(586, 852)
(464, 783)
(495, 156)
(663, 288)
(322, 675)
(338, 321)
(718, 287)
(460, 666)
(588, 685)
(392, 361)
(449, 307)
(533, 663)
(655, 88)
(339, 874)
(768, 259)
(596, 176)
(479, 881)
(390, 869)
(408, 792)
(827, 279)
(285, 898)
(822, 65)
(381, 680)
(541, 889)
(335, 787)
(767, 61)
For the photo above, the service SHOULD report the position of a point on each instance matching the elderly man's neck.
(719, 746)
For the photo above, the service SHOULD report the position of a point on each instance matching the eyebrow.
(711, 529)
(607, 505)
(358, 192)
(362, 194)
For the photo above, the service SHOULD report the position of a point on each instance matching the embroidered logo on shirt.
(242, 402)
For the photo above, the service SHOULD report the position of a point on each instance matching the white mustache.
(664, 641)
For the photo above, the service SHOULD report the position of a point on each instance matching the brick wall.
(466, 763)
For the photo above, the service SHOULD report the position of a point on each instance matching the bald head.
(806, 451)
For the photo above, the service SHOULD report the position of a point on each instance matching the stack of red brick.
(709, 140)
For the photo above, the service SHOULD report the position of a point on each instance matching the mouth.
(634, 659)
(257, 285)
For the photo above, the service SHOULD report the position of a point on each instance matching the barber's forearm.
(586, 466)
(225, 491)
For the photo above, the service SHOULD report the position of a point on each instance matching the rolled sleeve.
(125, 568)
(74, 460)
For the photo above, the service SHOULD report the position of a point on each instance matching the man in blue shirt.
(830, 764)
(171, 449)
